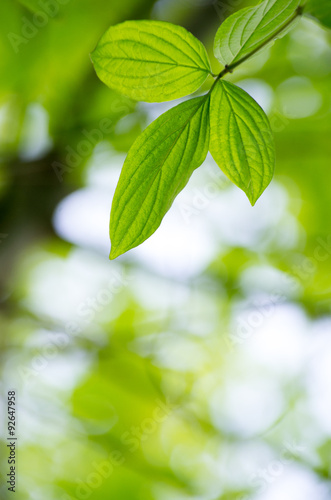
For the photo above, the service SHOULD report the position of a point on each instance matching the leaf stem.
(229, 68)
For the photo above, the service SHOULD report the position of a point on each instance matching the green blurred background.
(197, 366)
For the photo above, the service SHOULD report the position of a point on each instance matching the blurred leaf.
(157, 168)
(241, 140)
(249, 28)
(151, 61)
(321, 9)
(33, 5)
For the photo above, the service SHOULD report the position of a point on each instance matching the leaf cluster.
(155, 61)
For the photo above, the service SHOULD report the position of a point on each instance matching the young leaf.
(241, 140)
(321, 9)
(157, 168)
(246, 30)
(151, 61)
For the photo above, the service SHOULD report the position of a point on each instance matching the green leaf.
(321, 9)
(157, 168)
(151, 61)
(241, 140)
(245, 31)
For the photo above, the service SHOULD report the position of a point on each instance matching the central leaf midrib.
(155, 49)
(111, 58)
(242, 142)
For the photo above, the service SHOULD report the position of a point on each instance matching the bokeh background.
(197, 366)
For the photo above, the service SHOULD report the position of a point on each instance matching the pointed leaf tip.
(158, 166)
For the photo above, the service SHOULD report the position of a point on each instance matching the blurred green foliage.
(139, 379)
